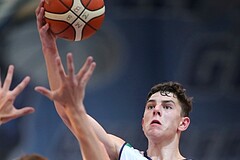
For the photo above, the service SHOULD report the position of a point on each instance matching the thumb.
(44, 91)
(24, 111)
(18, 113)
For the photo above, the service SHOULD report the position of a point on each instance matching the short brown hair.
(178, 90)
(32, 157)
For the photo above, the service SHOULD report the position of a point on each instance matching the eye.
(150, 107)
(167, 107)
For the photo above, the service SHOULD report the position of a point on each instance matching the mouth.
(155, 122)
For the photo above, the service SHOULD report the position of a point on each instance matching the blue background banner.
(140, 44)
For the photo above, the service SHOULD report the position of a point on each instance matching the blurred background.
(141, 43)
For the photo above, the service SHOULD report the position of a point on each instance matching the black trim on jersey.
(120, 153)
(146, 156)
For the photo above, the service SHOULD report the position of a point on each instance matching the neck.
(164, 150)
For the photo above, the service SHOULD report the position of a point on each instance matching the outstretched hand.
(7, 109)
(69, 96)
(71, 91)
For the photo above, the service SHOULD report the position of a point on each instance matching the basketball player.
(8, 111)
(165, 117)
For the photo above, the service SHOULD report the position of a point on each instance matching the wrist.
(49, 47)
(50, 51)
(78, 111)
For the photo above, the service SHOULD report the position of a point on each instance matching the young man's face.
(162, 116)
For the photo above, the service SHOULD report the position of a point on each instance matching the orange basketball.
(74, 20)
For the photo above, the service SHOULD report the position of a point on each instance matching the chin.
(154, 134)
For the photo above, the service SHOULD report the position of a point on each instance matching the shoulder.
(115, 147)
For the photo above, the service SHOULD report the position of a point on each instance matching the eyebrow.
(151, 100)
(168, 101)
(163, 101)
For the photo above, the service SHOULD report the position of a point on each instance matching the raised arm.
(49, 46)
(70, 95)
(8, 111)
(50, 52)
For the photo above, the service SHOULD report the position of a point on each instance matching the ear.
(185, 122)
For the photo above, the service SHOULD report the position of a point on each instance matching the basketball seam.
(93, 9)
(83, 11)
(74, 12)
(85, 21)
(70, 25)
(58, 21)
(93, 19)
(65, 4)
(78, 17)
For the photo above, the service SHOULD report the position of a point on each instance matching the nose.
(156, 110)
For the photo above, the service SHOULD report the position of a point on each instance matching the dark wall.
(139, 45)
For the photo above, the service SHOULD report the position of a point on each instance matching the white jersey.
(127, 152)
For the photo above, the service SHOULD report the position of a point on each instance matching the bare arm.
(111, 142)
(70, 95)
(50, 53)
(49, 46)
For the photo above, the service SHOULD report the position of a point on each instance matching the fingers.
(70, 64)
(18, 113)
(61, 71)
(85, 67)
(24, 111)
(8, 79)
(44, 91)
(39, 7)
(88, 73)
(41, 24)
(84, 73)
(40, 16)
(20, 87)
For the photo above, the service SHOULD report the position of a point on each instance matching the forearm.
(49, 46)
(91, 147)
(50, 54)
(110, 142)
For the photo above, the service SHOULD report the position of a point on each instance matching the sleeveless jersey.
(127, 152)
